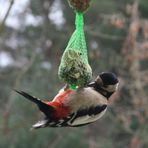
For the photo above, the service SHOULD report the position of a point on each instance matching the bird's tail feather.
(45, 108)
(29, 97)
(40, 124)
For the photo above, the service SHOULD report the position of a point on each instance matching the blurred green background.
(33, 36)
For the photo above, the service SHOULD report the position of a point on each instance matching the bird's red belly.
(61, 111)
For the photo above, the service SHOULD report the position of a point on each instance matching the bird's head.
(106, 83)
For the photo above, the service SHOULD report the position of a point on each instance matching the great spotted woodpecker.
(76, 107)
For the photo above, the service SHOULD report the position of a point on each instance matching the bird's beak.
(91, 84)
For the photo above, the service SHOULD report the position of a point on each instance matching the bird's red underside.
(61, 111)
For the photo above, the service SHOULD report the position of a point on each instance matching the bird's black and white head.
(106, 84)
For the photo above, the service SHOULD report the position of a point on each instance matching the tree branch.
(6, 15)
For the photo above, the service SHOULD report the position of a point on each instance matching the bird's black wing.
(46, 109)
(89, 113)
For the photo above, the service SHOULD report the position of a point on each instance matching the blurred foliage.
(117, 39)
(143, 7)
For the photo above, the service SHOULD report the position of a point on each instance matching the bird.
(73, 108)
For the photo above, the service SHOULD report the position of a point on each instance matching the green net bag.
(74, 68)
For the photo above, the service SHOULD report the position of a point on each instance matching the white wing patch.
(87, 119)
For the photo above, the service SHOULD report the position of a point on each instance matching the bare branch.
(6, 15)
(105, 36)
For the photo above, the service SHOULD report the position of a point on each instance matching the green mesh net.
(74, 68)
